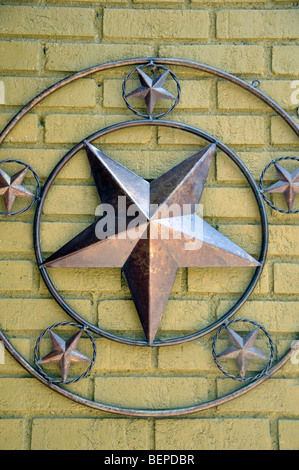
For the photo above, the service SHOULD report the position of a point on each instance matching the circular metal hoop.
(175, 125)
(36, 353)
(240, 379)
(157, 116)
(37, 196)
(262, 189)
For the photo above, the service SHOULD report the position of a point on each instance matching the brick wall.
(40, 43)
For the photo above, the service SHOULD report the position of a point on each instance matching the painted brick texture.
(43, 42)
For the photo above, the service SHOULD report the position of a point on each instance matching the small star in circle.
(242, 350)
(64, 353)
(288, 184)
(11, 187)
(151, 90)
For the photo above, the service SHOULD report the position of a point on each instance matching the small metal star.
(11, 187)
(151, 90)
(288, 184)
(64, 353)
(242, 350)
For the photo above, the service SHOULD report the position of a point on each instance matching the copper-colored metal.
(149, 260)
(11, 187)
(288, 184)
(242, 350)
(64, 353)
(151, 90)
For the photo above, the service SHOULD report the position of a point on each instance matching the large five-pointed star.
(11, 187)
(151, 90)
(288, 184)
(149, 259)
(64, 353)
(242, 350)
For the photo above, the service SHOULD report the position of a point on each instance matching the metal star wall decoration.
(11, 187)
(64, 353)
(288, 184)
(150, 263)
(151, 90)
(242, 350)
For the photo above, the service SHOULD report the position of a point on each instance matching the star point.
(168, 236)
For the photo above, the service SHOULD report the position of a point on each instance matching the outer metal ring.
(157, 60)
(36, 353)
(35, 199)
(234, 377)
(157, 116)
(175, 125)
(262, 189)
(146, 413)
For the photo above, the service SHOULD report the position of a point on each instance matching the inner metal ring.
(175, 125)
(157, 116)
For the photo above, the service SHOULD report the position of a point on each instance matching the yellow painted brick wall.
(44, 41)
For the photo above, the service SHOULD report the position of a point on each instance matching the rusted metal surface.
(164, 241)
